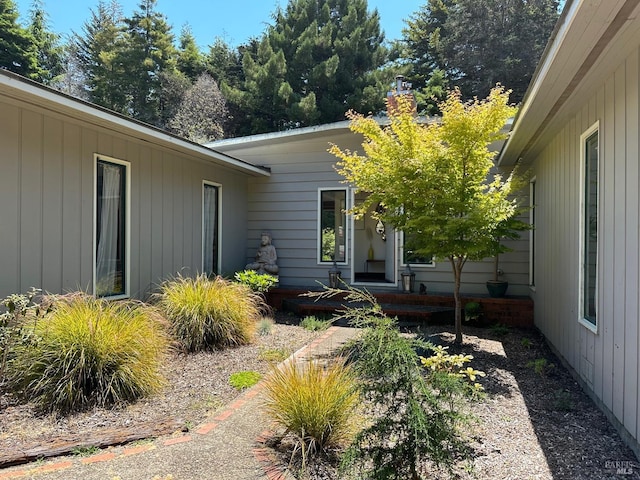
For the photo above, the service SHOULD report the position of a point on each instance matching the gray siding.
(286, 204)
(607, 361)
(47, 202)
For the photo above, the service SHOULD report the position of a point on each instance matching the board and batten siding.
(47, 204)
(286, 204)
(606, 361)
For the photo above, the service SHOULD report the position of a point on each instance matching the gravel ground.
(198, 384)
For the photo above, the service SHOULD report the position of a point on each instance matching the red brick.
(14, 474)
(103, 457)
(139, 449)
(206, 428)
(54, 467)
(173, 441)
(223, 416)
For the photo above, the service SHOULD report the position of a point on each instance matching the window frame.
(532, 232)
(431, 264)
(319, 259)
(218, 187)
(97, 158)
(594, 129)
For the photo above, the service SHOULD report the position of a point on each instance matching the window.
(210, 227)
(532, 233)
(332, 226)
(589, 228)
(111, 272)
(410, 256)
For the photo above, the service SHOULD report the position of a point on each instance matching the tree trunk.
(457, 272)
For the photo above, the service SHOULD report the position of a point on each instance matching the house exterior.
(302, 203)
(578, 132)
(95, 201)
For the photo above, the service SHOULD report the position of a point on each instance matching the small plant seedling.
(85, 450)
(562, 400)
(265, 326)
(314, 324)
(541, 366)
(472, 311)
(526, 342)
(273, 355)
(499, 330)
(245, 379)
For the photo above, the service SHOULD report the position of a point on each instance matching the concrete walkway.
(228, 447)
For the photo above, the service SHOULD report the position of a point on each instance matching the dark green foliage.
(148, 51)
(258, 282)
(478, 43)
(17, 45)
(316, 62)
(49, 51)
(191, 61)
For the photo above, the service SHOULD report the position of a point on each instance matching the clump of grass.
(314, 324)
(244, 379)
(85, 451)
(92, 352)
(274, 355)
(265, 326)
(314, 403)
(499, 330)
(541, 366)
(207, 314)
(562, 400)
(526, 342)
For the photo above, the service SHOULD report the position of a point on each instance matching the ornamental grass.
(208, 314)
(316, 404)
(91, 352)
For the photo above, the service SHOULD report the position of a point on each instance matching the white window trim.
(414, 266)
(347, 222)
(532, 221)
(595, 128)
(218, 226)
(127, 261)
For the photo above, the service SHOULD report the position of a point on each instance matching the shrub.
(258, 282)
(206, 314)
(91, 352)
(245, 379)
(415, 413)
(314, 403)
(314, 324)
(20, 310)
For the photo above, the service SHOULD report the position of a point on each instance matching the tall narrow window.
(111, 225)
(532, 233)
(210, 215)
(590, 229)
(332, 225)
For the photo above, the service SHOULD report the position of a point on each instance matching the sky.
(233, 21)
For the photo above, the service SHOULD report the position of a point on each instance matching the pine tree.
(191, 61)
(474, 44)
(17, 46)
(316, 62)
(148, 51)
(99, 54)
(49, 51)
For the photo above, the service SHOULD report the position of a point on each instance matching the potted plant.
(508, 229)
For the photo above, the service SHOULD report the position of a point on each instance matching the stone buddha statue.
(266, 257)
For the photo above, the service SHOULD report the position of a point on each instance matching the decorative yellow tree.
(435, 181)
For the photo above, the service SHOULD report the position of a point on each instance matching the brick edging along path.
(260, 454)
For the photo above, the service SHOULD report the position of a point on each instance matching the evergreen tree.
(315, 63)
(17, 46)
(48, 49)
(474, 44)
(99, 55)
(191, 61)
(148, 51)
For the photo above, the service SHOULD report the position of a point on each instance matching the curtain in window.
(109, 204)
(210, 240)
